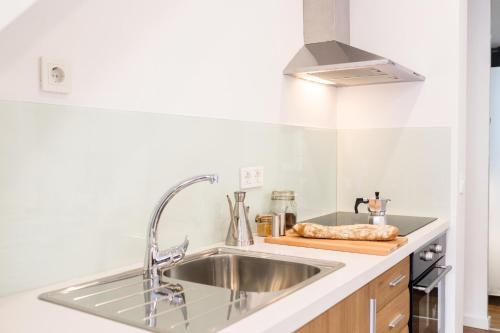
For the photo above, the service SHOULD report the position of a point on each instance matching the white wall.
(429, 37)
(421, 35)
(476, 224)
(219, 58)
(494, 213)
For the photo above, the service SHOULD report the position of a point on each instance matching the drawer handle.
(395, 322)
(397, 280)
(373, 315)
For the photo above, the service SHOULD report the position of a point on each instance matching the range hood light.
(312, 78)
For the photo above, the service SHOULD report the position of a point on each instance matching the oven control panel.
(427, 255)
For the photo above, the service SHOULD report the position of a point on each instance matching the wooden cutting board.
(379, 248)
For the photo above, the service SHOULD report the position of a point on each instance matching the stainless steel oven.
(428, 272)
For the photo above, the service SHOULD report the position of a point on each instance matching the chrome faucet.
(155, 257)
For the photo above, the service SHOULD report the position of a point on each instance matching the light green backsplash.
(411, 166)
(78, 185)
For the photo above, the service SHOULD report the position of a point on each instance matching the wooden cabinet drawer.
(349, 316)
(318, 324)
(395, 315)
(391, 283)
(352, 315)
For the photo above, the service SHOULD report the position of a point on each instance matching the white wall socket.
(251, 177)
(55, 76)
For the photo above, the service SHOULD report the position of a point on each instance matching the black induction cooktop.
(406, 224)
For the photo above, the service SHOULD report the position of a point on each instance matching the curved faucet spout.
(154, 256)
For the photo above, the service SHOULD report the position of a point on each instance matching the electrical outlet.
(258, 176)
(55, 76)
(251, 177)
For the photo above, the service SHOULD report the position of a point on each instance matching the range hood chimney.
(328, 58)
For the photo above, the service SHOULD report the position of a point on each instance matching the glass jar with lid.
(264, 225)
(284, 202)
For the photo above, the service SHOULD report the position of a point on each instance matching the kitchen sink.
(205, 292)
(242, 272)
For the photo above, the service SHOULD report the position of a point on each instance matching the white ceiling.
(11, 9)
(495, 23)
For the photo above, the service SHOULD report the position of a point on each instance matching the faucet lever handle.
(185, 244)
(173, 254)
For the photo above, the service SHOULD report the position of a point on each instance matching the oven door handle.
(433, 284)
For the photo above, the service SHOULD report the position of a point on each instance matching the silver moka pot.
(376, 207)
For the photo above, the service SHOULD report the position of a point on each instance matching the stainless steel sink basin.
(243, 273)
(204, 293)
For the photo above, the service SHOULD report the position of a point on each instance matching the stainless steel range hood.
(328, 58)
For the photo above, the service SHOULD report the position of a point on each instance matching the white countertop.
(26, 313)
